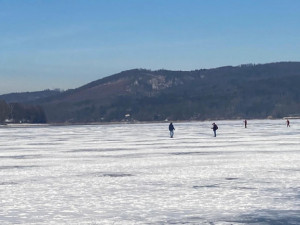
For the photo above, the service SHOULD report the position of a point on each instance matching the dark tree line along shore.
(21, 113)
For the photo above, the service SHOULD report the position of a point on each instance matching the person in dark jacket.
(171, 129)
(245, 122)
(215, 128)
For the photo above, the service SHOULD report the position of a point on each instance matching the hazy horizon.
(66, 44)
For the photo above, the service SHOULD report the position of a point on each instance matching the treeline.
(21, 113)
(29, 97)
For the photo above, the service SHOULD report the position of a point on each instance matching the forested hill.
(247, 91)
(27, 97)
(19, 107)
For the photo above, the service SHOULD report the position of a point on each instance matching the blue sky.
(68, 43)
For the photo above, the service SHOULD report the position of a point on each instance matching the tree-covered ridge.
(26, 97)
(246, 91)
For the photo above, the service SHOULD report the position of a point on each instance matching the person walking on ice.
(171, 129)
(215, 128)
(288, 123)
(245, 123)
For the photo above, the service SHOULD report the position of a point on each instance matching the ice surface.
(136, 174)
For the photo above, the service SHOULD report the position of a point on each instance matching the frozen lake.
(136, 174)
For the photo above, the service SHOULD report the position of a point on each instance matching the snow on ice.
(136, 174)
